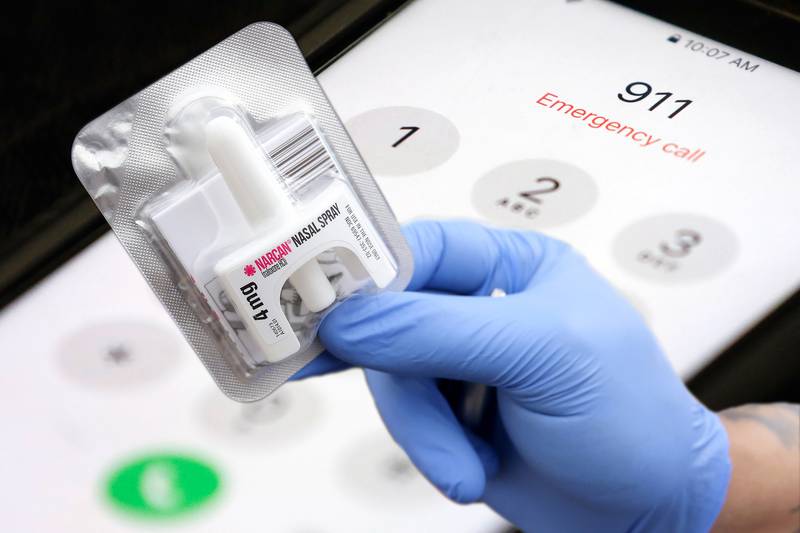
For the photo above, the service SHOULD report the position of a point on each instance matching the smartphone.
(668, 159)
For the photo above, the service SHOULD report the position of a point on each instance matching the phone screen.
(666, 158)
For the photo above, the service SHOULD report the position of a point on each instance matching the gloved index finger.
(468, 258)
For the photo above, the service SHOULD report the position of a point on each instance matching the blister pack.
(235, 189)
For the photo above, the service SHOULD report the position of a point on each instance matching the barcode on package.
(299, 153)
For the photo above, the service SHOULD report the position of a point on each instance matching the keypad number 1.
(411, 130)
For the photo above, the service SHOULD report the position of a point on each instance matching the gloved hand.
(594, 431)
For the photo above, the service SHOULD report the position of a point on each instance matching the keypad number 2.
(531, 200)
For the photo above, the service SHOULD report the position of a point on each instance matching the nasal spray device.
(235, 189)
(296, 233)
(266, 207)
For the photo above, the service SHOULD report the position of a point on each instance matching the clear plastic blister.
(236, 191)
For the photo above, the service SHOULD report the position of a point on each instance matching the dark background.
(65, 63)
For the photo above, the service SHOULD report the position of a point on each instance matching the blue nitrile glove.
(594, 430)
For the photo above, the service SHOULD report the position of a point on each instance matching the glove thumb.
(422, 335)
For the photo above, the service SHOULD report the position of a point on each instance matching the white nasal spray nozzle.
(261, 198)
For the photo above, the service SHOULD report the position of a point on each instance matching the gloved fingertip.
(323, 364)
(468, 490)
(487, 455)
(462, 479)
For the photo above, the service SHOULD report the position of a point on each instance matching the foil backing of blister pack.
(121, 160)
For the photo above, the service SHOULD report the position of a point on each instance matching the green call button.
(162, 486)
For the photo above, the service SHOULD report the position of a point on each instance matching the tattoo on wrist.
(782, 419)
